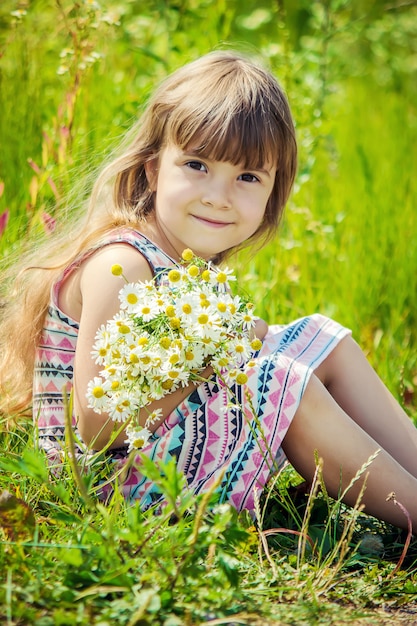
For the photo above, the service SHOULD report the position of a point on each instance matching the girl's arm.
(95, 292)
(260, 329)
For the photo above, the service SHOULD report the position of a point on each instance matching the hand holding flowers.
(166, 332)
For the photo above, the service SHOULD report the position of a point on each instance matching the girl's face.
(208, 206)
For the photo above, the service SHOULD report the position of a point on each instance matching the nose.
(217, 194)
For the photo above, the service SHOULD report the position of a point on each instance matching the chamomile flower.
(187, 255)
(130, 297)
(177, 375)
(153, 417)
(222, 278)
(248, 319)
(221, 361)
(193, 356)
(256, 344)
(234, 305)
(123, 405)
(174, 276)
(101, 346)
(147, 311)
(121, 328)
(96, 394)
(137, 437)
(239, 347)
(207, 325)
(187, 306)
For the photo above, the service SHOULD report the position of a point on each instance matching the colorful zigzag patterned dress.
(207, 434)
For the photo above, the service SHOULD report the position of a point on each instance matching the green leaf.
(72, 556)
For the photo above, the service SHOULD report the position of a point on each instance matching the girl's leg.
(356, 387)
(320, 424)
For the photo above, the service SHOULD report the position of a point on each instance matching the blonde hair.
(224, 105)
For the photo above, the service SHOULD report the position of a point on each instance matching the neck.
(156, 234)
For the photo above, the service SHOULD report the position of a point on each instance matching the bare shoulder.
(97, 267)
(99, 288)
(92, 290)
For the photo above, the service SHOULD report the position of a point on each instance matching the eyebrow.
(196, 154)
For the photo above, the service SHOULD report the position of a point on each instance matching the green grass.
(347, 248)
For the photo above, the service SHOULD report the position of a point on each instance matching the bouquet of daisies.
(163, 337)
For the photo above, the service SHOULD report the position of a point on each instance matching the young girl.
(209, 166)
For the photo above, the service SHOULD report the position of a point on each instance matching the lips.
(210, 222)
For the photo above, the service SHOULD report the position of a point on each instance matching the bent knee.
(340, 358)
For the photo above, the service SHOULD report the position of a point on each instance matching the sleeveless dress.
(209, 436)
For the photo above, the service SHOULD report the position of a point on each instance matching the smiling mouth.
(213, 223)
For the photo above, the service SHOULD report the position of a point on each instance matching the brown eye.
(196, 165)
(249, 178)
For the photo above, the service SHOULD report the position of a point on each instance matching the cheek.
(253, 223)
(257, 211)
(256, 218)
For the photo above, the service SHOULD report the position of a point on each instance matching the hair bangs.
(230, 129)
(238, 142)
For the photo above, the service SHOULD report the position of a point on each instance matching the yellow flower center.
(203, 318)
(187, 254)
(165, 342)
(223, 362)
(116, 270)
(241, 378)
(193, 271)
(175, 323)
(132, 298)
(256, 344)
(98, 392)
(174, 276)
(122, 406)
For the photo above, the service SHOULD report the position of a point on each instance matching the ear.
(151, 171)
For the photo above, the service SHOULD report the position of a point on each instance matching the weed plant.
(73, 75)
